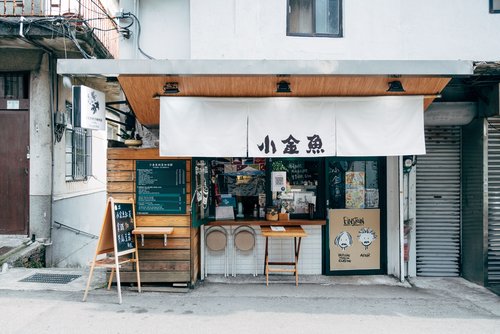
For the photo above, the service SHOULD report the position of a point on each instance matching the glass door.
(354, 236)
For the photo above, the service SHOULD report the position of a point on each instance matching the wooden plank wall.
(179, 261)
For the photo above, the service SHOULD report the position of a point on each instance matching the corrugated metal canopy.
(143, 80)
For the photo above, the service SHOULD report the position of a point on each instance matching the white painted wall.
(393, 217)
(376, 29)
(96, 182)
(310, 257)
(77, 204)
(165, 29)
(373, 30)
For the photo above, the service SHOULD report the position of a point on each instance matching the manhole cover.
(5, 250)
(50, 278)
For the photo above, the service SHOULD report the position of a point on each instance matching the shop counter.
(311, 247)
(263, 222)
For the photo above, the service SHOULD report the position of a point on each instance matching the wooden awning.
(142, 92)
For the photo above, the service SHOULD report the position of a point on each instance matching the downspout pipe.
(401, 220)
(21, 26)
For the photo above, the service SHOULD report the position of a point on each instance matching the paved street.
(371, 305)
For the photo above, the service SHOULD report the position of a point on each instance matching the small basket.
(272, 216)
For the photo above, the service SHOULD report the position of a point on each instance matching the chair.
(244, 240)
(216, 241)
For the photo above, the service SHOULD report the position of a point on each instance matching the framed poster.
(354, 239)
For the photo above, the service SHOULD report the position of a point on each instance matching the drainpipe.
(21, 26)
(136, 9)
(401, 221)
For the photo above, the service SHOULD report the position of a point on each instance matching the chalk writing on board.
(161, 186)
(124, 223)
(298, 172)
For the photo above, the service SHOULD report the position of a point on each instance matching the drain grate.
(50, 278)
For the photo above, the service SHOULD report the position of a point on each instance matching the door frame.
(382, 181)
(24, 107)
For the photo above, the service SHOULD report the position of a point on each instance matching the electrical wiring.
(139, 37)
(61, 27)
(64, 27)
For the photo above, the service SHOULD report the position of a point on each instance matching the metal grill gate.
(494, 201)
(438, 203)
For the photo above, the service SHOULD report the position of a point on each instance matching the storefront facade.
(332, 163)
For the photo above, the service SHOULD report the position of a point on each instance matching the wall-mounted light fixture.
(396, 87)
(171, 88)
(283, 87)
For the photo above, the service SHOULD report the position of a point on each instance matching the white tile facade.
(310, 256)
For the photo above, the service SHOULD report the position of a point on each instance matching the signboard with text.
(161, 186)
(354, 239)
(89, 108)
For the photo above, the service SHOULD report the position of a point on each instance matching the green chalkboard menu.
(124, 224)
(161, 186)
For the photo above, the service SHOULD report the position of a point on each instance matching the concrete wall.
(86, 213)
(40, 152)
(377, 29)
(474, 202)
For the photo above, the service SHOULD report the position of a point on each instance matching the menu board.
(161, 186)
(124, 223)
(299, 172)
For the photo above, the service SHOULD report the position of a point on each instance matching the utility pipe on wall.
(401, 220)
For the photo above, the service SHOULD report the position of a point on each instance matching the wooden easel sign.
(116, 239)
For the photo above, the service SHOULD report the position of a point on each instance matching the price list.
(161, 186)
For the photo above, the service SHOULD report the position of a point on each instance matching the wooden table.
(153, 230)
(295, 232)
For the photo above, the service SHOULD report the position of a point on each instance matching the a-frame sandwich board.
(116, 239)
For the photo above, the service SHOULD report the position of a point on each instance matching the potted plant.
(131, 138)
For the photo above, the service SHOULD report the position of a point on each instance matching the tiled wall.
(279, 250)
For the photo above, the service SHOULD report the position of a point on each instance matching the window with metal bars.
(14, 85)
(78, 154)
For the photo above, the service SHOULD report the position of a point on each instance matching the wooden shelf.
(153, 230)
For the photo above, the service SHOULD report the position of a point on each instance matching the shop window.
(353, 184)
(494, 6)
(239, 183)
(243, 188)
(78, 150)
(295, 187)
(314, 18)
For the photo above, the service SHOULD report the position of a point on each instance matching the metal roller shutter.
(494, 201)
(438, 203)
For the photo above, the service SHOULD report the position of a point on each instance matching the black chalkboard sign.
(116, 240)
(123, 214)
(161, 186)
(298, 171)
